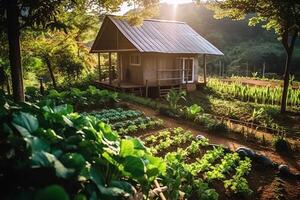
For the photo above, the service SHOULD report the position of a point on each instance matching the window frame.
(183, 68)
(138, 56)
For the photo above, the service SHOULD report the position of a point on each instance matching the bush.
(167, 111)
(174, 96)
(32, 93)
(211, 124)
(281, 144)
(82, 98)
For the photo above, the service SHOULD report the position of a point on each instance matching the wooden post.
(109, 68)
(158, 87)
(220, 68)
(264, 69)
(42, 89)
(161, 195)
(247, 69)
(204, 69)
(99, 67)
(146, 88)
(186, 78)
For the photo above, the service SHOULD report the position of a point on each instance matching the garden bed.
(261, 179)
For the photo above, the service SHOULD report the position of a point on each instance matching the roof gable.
(163, 37)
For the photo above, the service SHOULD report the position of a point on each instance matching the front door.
(187, 66)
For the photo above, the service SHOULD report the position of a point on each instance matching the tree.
(281, 16)
(16, 15)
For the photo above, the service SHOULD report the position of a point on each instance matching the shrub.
(168, 112)
(81, 98)
(32, 93)
(174, 96)
(281, 144)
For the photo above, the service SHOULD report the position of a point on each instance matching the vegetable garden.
(263, 95)
(127, 121)
(90, 154)
(201, 163)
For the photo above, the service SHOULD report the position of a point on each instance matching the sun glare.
(176, 2)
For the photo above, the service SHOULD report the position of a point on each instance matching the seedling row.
(127, 121)
(204, 161)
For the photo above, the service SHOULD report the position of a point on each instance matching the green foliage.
(174, 96)
(193, 110)
(89, 97)
(183, 172)
(53, 192)
(280, 16)
(177, 179)
(126, 121)
(238, 184)
(281, 144)
(75, 152)
(265, 95)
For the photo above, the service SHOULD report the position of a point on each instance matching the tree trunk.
(7, 85)
(285, 82)
(289, 52)
(13, 34)
(48, 63)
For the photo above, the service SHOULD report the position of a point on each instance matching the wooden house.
(151, 58)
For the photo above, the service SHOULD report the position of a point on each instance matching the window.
(135, 59)
(187, 65)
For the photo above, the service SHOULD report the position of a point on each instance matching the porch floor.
(118, 85)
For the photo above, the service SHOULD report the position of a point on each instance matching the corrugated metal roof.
(165, 37)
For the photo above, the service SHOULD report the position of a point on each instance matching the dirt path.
(292, 162)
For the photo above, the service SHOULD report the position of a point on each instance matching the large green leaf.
(63, 109)
(126, 147)
(73, 160)
(123, 185)
(45, 159)
(57, 113)
(116, 189)
(37, 144)
(134, 166)
(25, 123)
(138, 144)
(53, 192)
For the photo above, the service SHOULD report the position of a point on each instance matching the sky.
(125, 7)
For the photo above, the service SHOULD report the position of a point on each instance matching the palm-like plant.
(174, 96)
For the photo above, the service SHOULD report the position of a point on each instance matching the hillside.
(240, 43)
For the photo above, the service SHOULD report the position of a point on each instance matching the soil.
(265, 183)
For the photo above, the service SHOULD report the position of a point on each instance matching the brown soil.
(263, 182)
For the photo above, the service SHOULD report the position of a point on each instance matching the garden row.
(126, 122)
(199, 165)
(219, 125)
(90, 97)
(264, 95)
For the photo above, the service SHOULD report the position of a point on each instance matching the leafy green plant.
(174, 96)
(193, 111)
(281, 144)
(75, 152)
(238, 184)
(82, 98)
